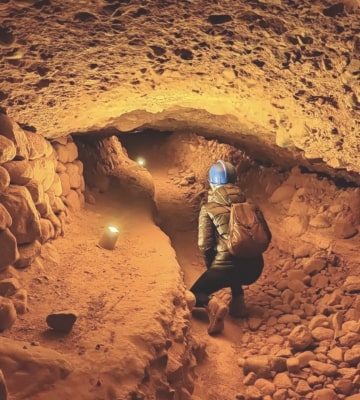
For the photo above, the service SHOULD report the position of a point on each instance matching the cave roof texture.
(281, 78)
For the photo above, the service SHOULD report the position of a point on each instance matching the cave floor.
(112, 294)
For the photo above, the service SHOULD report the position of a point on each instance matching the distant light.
(113, 229)
(141, 161)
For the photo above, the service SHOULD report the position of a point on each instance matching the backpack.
(248, 234)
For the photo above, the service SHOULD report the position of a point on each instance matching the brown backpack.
(248, 234)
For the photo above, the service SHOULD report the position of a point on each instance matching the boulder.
(20, 172)
(20, 300)
(44, 170)
(7, 314)
(74, 176)
(15, 133)
(25, 218)
(4, 179)
(5, 218)
(28, 253)
(9, 250)
(36, 190)
(7, 149)
(38, 145)
(66, 152)
(9, 286)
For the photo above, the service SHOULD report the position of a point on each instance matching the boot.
(237, 308)
(217, 311)
(190, 299)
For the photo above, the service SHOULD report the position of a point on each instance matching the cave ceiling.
(279, 77)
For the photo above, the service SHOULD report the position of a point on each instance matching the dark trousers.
(215, 279)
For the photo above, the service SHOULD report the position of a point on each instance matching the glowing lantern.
(141, 161)
(109, 238)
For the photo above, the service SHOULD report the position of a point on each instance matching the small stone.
(250, 379)
(321, 333)
(343, 386)
(254, 323)
(258, 364)
(335, 355)
(324, 394)
(303, 387)
(319, 320)
(281, 394)
(320, 368)
(7, 313)
(252, 393)
(20, 300)
(300, 338)
(265, 387)
(278, 364)
(352, 356)
(282, 381)
(305, 357)
(61, 321)
(352, 284)
(292, 364)
(9, 286)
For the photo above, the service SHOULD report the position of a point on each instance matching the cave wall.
(279, 77)
(42, 188)
(41, 184)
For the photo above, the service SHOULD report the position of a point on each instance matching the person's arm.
(206, 237)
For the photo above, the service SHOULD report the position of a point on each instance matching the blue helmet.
(222, 172)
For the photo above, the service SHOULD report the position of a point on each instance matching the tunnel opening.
(145, 145)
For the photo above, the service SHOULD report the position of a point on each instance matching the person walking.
(223, 269)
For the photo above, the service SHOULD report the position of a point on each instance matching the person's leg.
(247, 274)
(217, 311)
(210, 282)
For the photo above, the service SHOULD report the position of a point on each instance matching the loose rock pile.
(302, 340)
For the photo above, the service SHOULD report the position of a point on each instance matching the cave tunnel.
(111, 114)
(126, 304)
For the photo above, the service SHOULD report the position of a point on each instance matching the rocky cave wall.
(279, 77)
(41, 182)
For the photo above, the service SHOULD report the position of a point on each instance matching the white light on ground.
(109, 238)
